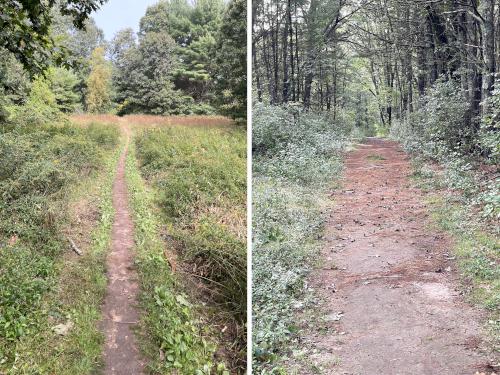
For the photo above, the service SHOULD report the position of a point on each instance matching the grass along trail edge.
(197, 177)
(172, 336)
(75, 300)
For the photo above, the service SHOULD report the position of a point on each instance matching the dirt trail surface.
(121, 354)
(389, 280)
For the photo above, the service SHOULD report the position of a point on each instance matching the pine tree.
(231, 61)
(63, 84)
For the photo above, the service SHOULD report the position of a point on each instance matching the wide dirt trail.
(120, 314)
(389, 280)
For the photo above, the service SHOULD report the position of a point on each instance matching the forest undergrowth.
(296, 156)
(461, 164)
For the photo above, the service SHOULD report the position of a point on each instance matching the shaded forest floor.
(393, 302)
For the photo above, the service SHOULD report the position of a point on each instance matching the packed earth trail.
(389, 281)
(120, 314)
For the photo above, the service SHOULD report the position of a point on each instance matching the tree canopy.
(377, 57)
(186, 58)
(25, 29)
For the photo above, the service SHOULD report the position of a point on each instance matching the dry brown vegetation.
(152, 121)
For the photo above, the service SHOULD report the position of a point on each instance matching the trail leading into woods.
(121, 354)
(389, 281)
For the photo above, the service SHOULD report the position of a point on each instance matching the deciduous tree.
(98, 95)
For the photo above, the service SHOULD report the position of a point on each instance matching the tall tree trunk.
(307, 86)
(422, 68)
(267, 64)
(476, 74)
(292, 62)
(284, 47)
(297, 56)
(432, 58)
(275, 69)
(256, 72)
(328, 97)
(464, 63)
(488, 11)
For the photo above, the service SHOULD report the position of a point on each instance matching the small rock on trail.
(399, 316)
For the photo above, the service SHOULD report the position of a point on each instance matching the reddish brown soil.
(121, 354)
(393, 305)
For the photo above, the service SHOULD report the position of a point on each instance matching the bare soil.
(393, 299)
(121, 354)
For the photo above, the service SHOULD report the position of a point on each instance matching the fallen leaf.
(335, 317)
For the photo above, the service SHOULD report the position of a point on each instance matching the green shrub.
(200, 177)
(441, 130)
(489, 134)
(440, 124)
(296, 155)
(41, 106)
(37, 167)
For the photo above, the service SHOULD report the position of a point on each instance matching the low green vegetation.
(296, 158)
(477, 252)
(198, 181)
(43, 171)
(461, 162)
(440, 131)
(172, 337)
(475, 246)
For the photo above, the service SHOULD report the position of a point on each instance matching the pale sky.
(120, 14)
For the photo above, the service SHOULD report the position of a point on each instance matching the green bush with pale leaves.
(296, 157)
(441, 130)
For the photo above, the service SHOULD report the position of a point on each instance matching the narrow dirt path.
(389, 281)
(121, 354)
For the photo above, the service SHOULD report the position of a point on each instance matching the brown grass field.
(152, 120)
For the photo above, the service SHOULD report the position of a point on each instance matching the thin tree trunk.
(286, 78)
(488, 10)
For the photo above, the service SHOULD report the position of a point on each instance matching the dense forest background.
(375, 61)
(187, 58)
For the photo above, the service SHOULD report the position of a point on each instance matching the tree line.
(303, 51)
(185, 59)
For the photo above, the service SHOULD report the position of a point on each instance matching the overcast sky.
(120, 14)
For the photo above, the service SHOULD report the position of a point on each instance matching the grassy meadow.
(187, 193)
(55, 184)
(197, 177)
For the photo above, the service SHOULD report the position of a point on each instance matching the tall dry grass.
(153, 121)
